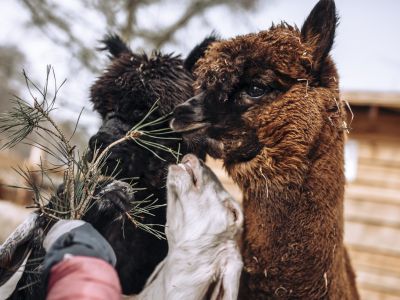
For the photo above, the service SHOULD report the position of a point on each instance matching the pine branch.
(80, 177)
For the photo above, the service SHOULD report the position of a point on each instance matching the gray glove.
(75, 238)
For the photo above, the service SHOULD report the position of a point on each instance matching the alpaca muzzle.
(189, 166)
(189, 116)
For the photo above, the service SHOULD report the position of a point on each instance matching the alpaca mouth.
(186, 166)
(182, 127)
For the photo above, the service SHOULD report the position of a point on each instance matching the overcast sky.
(367, 47)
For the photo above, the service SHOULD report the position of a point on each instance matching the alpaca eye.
(256, 91)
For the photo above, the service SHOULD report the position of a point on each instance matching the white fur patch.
(203, 223)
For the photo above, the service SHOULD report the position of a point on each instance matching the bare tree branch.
(43, 15)
(52, 19)
(127, 30)
(196, 8)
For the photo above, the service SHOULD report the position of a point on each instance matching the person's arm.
(79, 263)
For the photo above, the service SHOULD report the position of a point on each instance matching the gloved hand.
(75, 238)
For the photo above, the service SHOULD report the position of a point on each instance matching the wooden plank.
(372, 123)
(375, 260)
(378, 283)
(378, 273)
(379, 150)
(372, 193)
(373, 221)
(382, 99)
(376, 175)
(374, 295)
(372, 236)
(370, 166)
(373, 250)
(386, 214)
(378, 162)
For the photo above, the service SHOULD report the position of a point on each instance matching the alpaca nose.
(191, 159)
(194, 167)
(191, 110)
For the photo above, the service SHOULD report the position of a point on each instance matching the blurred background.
(65, 34)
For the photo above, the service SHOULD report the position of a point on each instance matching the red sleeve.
(82, 277)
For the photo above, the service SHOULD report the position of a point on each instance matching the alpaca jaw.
(189, 116)
(185, 128)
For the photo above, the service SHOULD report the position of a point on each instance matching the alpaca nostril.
(190, 115)
(193, 106)
(183, 110)
(191, 160)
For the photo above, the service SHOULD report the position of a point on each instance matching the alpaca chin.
(187, 127)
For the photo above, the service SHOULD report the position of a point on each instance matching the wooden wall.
(372, 206)
(9, 177)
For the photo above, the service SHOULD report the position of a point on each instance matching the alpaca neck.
(188, 271)
(309, 191)
(293, 229)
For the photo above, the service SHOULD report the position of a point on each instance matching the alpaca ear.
(319, 30)
(198, 51)
(115, 45)
(236, 212)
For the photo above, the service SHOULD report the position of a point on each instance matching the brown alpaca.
(267, 104)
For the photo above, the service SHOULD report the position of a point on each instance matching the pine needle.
(80, 177)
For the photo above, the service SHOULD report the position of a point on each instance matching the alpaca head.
(274, 89)
(198, 205)
(133, 82)
(124, 94)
